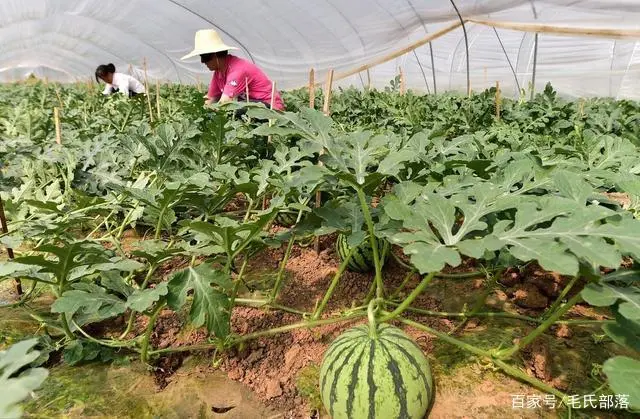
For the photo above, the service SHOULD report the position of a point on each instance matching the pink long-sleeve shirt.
(233, 83)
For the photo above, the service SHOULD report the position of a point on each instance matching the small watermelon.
(386, 376)
(286, 218)
(362, 259)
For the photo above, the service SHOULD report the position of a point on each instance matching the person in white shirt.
(118, 82)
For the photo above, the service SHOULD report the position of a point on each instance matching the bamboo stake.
(246, 88)
(368, 80)
(402, 82)
(5, 230)
(57, 90)
(273, 97)
(56, 120)
(312, 89)
(146, 88)
(498, 100)
(158, 97)
(560, 30)
(326, 110)
(400, 52)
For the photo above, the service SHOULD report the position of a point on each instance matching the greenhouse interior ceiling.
(584, 48)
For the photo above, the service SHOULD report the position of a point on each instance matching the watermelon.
(362, 259)
(386, 376)
(286, 218)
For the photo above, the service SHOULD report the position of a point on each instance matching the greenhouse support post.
(535, 66)
(433, 69)
(5, 230)
(326, 110)
(466, 46)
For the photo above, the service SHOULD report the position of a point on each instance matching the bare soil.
(271, 366)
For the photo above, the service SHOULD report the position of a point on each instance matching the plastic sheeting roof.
(65, 40)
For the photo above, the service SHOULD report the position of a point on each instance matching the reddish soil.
(270, 366)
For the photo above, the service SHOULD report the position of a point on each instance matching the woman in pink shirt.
(233, 76)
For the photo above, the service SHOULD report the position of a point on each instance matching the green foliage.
(17, 379)
(437, 175)
(211, 307)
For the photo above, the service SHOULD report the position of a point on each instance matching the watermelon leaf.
(210, 307)
(624, 378)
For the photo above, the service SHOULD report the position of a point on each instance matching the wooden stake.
(246, 88)
(402, 82)
(57, 90)
(56, 120)
(5, 230)
(146, 88)
(368, 80)
(498, 100)
(158, 97)
(312, 89)
(327, 96)
(326, 110)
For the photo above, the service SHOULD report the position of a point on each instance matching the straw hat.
(207, 41)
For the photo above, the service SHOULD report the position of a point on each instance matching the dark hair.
(206, 57)
(104, 69)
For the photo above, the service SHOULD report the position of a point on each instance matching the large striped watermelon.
(384, 377)
(362, 259)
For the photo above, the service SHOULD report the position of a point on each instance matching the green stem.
(65, 326)
(372, 310)
(103, 342)
(144, 347)
(372, 242)
(407, 301)
(334, 284)
(480, 302)
(283, 265)
(441, 275)
(249, 209)
(457, 315)
(125, 222)
(238, 280)
(462, 275)
(508, 353)
(63, 316)
(561, 297)
(251, 336)
(249, 302)
(159, 224)
(372, 291)
(406, 279)
(512, 371)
